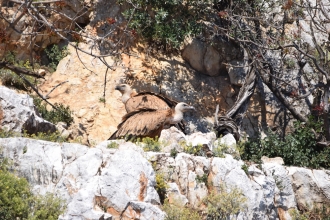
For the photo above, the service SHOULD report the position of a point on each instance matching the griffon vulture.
(147, 122)
(134, 101)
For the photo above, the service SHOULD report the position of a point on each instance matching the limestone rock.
(91, 180)
(18, 113)
(172, 138)
(311, 187)
(174, 196)
(104, 183)
(200, 138)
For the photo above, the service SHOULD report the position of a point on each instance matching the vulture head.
(179, 109)
(125, 90)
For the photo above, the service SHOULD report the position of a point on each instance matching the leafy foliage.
(61, 114)
(220, 150)
(10, 79)
(113, 145)
(298, 148)
(227, 202)
(174, 152)
(174, 212)
(55, 54)
(53, 137)
(202, 179)
(6, 134)
(165, 23)
(46, 207)
(14, 194)
(17, 201)
(194, 150)
(150, 144)
(317, 213)
(161, 186)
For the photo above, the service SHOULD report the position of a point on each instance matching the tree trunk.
(326, 111)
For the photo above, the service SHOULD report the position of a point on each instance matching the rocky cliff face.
(109, 183)
(198, 76)
(100, 183)
(103, 183)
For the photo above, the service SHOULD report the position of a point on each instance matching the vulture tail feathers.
(115, 135)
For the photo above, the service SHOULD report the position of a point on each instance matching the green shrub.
(14, 196)
(174, 153)
(102, 99)
(220, 150)
(6, 134)
(60, 114)
(55, 54)
(317, 213)
(227, 202)
(10, 79)
(202, 179)
(150, 144)
(165, 23)
(245, 168)
(174, 212)
(113, 145)
(17, 201)
(46, 207)
(161, 186)
(194, 150)
(298, 148)
(53, 137)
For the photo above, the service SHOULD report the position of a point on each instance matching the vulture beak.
(191, 108)
(118, 88)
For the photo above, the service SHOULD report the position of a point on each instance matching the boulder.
(18, 113)
(95, 182)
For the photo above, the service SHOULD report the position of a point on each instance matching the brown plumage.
(134, 101)
(146, 122)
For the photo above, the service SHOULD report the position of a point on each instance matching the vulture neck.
(177, 116)
(127, 95)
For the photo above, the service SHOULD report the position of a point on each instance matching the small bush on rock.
(55, 54)
(298, 148)
(161, 186)
(150, 144)
(11, 79)
(6, 134)
(14, 194)
(17, 201)
(194, 150)
(165, 24)
(60, 114)
(53, 137)
(224, 204)
(46, 207)
(220, 150)
(174, 212)
(113, 145)
(317, 213)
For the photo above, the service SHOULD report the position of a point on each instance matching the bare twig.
(46, 96)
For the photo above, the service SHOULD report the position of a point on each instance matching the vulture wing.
(153, 101)
(149, 100)
(142, 123)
